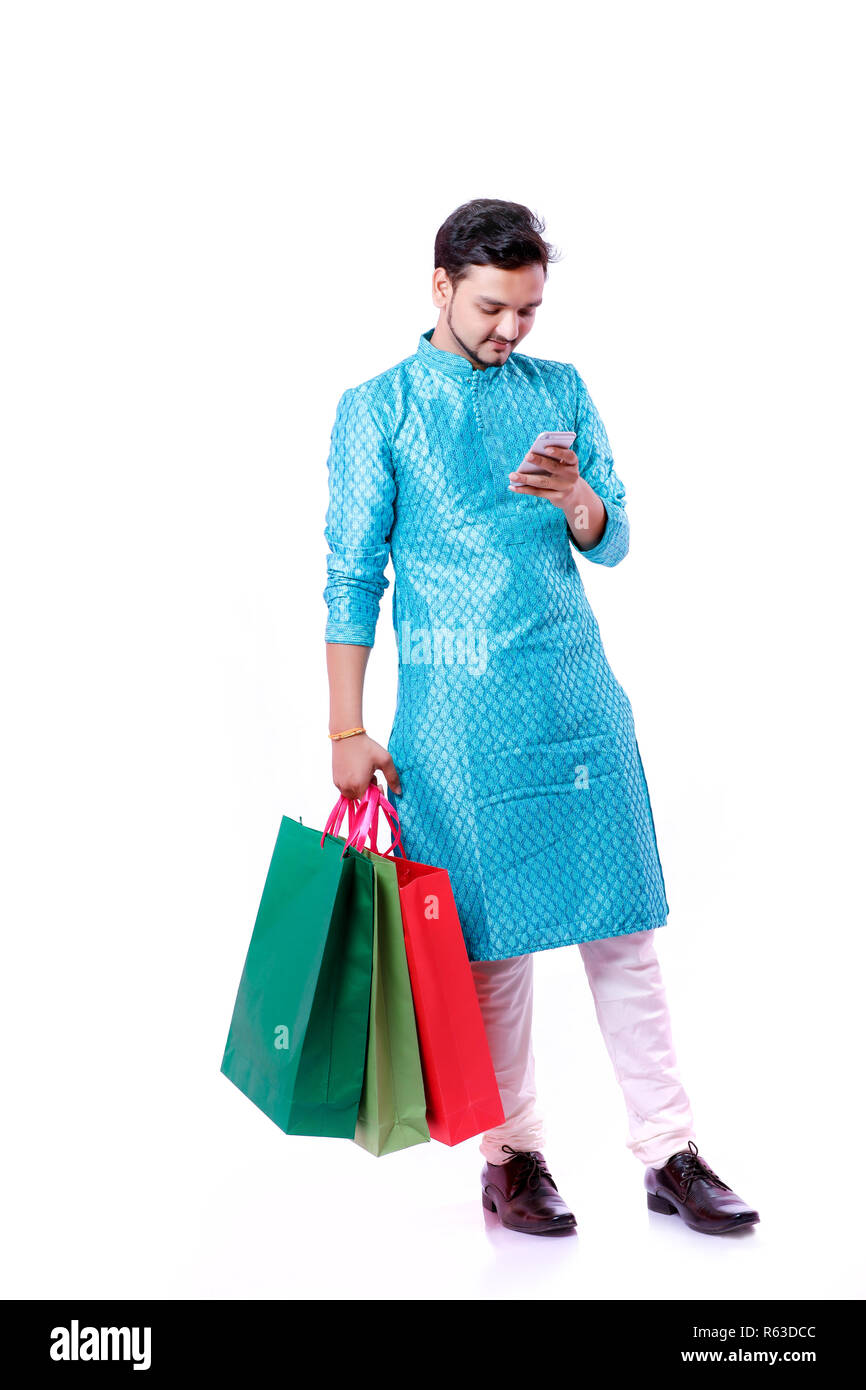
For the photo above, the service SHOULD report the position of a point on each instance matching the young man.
(512, 760)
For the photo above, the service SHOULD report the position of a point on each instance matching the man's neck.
(446, 342)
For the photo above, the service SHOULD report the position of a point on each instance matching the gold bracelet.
(347, 733)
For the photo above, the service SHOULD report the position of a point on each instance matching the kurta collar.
(451, 363)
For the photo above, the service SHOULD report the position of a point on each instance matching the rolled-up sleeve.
(596, 466)
(361, 493)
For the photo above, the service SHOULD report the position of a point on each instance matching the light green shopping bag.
(393, 1108)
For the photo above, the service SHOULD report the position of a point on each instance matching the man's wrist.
(336, 725)
(586, 516)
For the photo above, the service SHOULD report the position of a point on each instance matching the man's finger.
(547, 492)
(564, 457)
(535, 479)
(389, 772)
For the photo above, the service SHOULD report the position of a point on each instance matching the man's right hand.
(355, 761)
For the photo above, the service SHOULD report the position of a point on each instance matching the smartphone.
(563, 438)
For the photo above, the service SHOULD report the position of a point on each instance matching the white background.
(219, 216)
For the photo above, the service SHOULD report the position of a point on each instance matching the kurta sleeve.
(596, 466)
(361, 493)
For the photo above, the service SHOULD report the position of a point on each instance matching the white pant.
(625, 978)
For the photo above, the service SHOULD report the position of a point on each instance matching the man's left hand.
(566, 489)
(564, 486)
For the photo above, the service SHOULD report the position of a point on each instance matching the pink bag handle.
(370, 806)
(366, 822)
(335, 819)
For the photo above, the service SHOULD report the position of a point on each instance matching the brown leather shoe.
(685, 1186)
(524, 1195)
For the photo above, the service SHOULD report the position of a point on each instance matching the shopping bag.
(460, 1083)
(297, 1042)
(392, 1112)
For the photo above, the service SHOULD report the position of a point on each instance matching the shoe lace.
(694, 1167)
(531, 1170)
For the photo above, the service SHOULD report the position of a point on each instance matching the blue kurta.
(514, 742)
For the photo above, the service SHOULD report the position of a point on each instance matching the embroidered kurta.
(514, 742)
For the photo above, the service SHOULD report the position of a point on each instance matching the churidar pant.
(625, 979)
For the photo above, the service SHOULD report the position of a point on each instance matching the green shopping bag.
(298, 1037)
(392, 1112)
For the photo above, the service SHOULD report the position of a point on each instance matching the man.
(512, 756)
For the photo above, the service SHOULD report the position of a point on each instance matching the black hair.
(489, 231)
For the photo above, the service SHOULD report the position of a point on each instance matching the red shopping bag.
(460, 1084)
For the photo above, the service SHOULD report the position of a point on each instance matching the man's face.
(490, 311)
